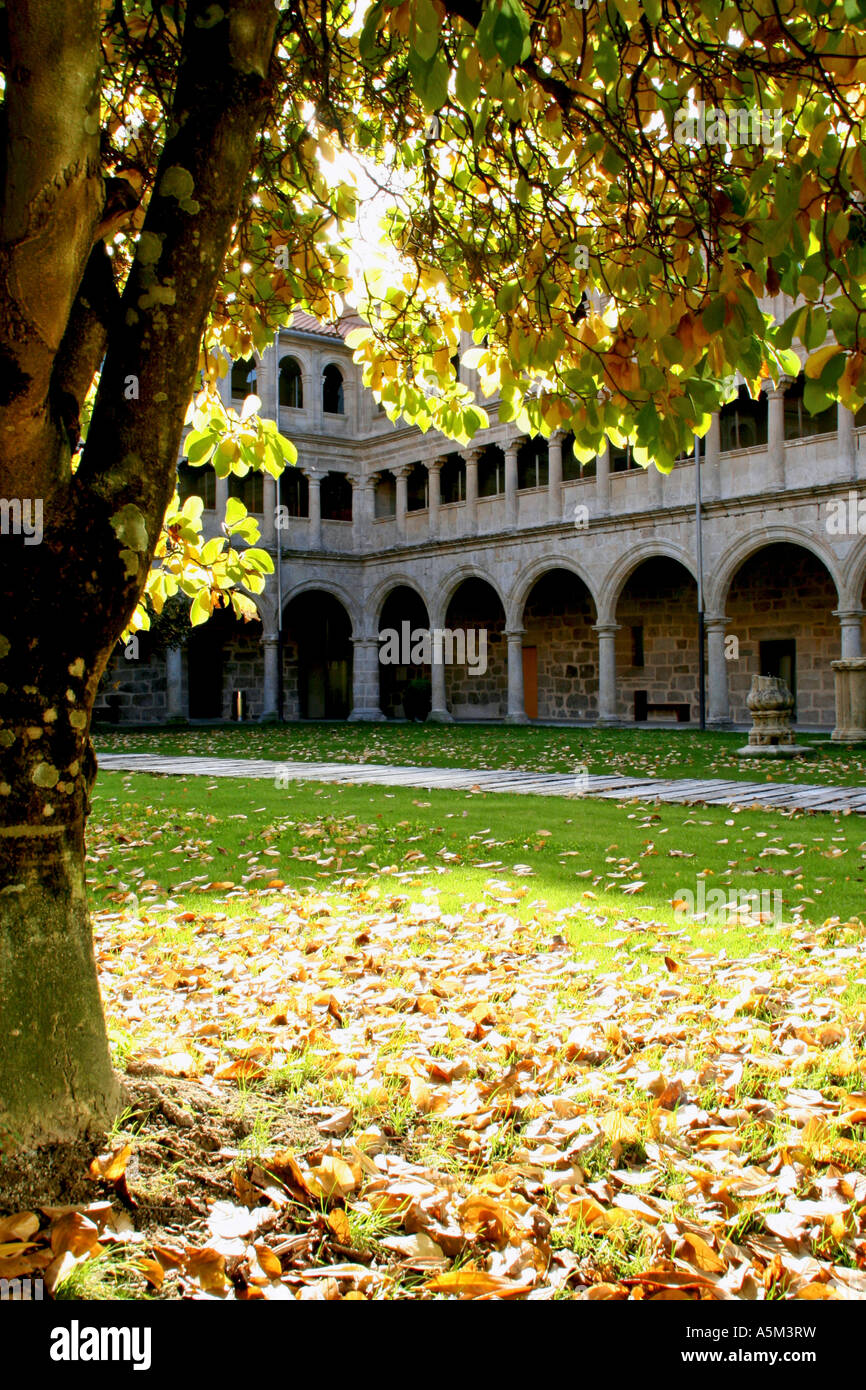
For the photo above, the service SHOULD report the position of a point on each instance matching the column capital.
(510, 448)
(849, 615)
(606, 629)
(714, 622)
(434, 464)
(270, 639)
(512, 633)
(772, 391)
(557, 437)
(401, 470)
(474, 454)
(312, 471)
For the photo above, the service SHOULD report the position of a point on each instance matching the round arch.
(737, 554)
(448, 588)
(617, 577)
(326, 586)
(529, 577)
(395, 580)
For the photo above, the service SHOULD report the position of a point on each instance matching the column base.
(270, 716)
(608, 721)
(366, 716)
(720, 725)
(517, 719)
(175, 719)
(439, 716)
(848, 736)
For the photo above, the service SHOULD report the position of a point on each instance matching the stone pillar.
(516, 706)
(271, 645)
(401, 475)
(851, 623)
(472, 456)
(365, 681)
(438, 704)
(314, 480)
(602, 481)
(358, 512)
(775, 481)
(847, 443)
(711, 461)
(222, 496)
(718, 701)
(554, 476)
(269, 523)
(511, 486)
(175, 713)
(850, 700)
(433, 496)
(607, 673)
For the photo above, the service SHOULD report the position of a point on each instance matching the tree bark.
(65, 599)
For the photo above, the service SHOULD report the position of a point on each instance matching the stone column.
(607, 673)
(554, 476)
(718, 702)
(222, 496)
(851, 623)
(314, 480)
(472, 456)
(401, 476)
(775, 481)
(511, 486)
(365, 681)
(271, 645)
(433, 495)
(602, 481)
(846, 442)
(438, 704)
(175, 712)
(711, 461)
(516, 705)
(269, 523)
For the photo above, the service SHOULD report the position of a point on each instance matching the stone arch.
(448, 588)
(618, 576)
(717, 586)
(780, 599)
(337, 591)
(529, 577)
(395, 579)
(553, 605)
(317, 654)
(853, 573)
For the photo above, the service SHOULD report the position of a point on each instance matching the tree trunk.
(56, 1081)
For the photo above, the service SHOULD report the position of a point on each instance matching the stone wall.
(661, 599)
(784, 593)
(473, 696)
(133, 692)
(244, 669)
(557, 620)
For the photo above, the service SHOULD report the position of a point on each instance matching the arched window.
(743, 422)
(532, 463)
(291, 383)
(243, 378)
(332, 390)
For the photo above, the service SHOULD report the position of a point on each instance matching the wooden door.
(530, 681)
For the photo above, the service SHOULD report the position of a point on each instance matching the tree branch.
(130, 457)
(50, 202)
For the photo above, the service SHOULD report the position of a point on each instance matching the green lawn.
(593, 867)
(635, 752)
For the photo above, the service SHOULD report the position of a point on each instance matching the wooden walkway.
(781, 796)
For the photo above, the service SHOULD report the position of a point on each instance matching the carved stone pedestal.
(771, 735)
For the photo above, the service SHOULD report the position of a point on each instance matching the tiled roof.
(305, 323)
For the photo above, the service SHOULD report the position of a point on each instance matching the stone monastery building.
(584, 578)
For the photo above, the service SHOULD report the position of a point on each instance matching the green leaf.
(235, 511)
